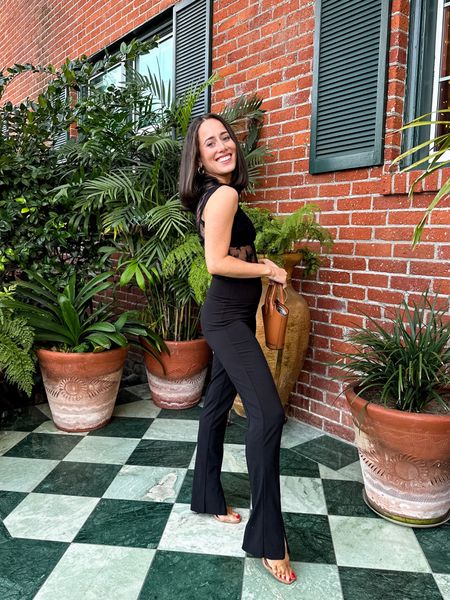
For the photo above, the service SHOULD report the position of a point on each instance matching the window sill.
(400, 183)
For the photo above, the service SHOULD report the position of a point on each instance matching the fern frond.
(16, 359)
(181, 258)
(199, 279)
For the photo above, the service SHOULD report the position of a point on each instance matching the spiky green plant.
(69, 320)
(406, 362)
(17, 362)
(436, 157)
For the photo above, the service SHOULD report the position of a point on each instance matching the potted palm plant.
(81, 346)
(139, 212)
(399, 397)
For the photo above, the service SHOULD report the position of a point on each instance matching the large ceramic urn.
(176, 380)
(290, 360)
(405, 462)
(81, 387)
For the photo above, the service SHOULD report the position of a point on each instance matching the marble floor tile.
(106, 450)
(91, 572)
(125, 523)
(140, 408)
(191, 465)
(309, 538)
(328, 451)
(23, 474)
(235, 434)
(297, 465)
(353, 471)
(387, 585)
(175, 430)
(345, 498)
(8, 439)
(187, 531)
(302, 495)
(184, 495)
(443, 583)
(327, 473)
(376, 544)
(44, 445)
(24, 419)
(236, 487)
(141, 391)
(78, 479)
(435, 543)
(9, 501)
(25, 565)
(50, 427)
(127, 427)
(314, 582)
(295, 433)
(234, 458)
(49, 517)
(152, 484)
(193, 413)
(161, 453)
(183, 576)
(45, 409)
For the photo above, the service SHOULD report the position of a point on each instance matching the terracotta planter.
(297, 338)
(178, 382)
(81, 388)
(405, 460)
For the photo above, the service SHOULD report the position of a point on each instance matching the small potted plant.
(284, 240)
(81, 346)
(399, 397)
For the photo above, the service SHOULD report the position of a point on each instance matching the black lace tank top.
(242, 242)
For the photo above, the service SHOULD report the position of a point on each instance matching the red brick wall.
(267, 47)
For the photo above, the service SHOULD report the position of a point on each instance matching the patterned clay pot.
(405, 460)
(297, 338)
(178, 382)
(81, 388)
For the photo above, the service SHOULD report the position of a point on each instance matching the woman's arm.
(218, 216)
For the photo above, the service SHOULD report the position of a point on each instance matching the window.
(159, 60)
(348, 101)
(183, 55)
(426, 71)
(114, 76)
(441, 87)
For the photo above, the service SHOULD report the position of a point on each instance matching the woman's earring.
(201, 170)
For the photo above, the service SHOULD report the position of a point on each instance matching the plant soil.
(433, 408)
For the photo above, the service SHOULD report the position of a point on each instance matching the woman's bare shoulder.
(225, 195)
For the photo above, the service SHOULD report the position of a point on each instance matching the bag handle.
(276, 292)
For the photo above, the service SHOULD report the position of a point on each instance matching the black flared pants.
(228, 323)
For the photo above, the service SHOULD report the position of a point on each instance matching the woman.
(213, 173)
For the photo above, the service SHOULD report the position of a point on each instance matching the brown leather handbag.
(275, 316)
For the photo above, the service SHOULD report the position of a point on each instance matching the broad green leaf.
(71, 318)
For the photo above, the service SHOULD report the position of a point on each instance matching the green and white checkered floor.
(105, 516)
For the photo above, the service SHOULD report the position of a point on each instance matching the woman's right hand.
(276, 274)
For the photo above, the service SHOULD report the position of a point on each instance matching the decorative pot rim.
(47, 352)
(193, 342)
(353, 399)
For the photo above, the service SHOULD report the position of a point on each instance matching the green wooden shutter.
(192, 43)
(349, 97)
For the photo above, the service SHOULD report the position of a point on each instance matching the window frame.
(420, 74)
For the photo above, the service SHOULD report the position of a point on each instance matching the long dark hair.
(192, 183)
